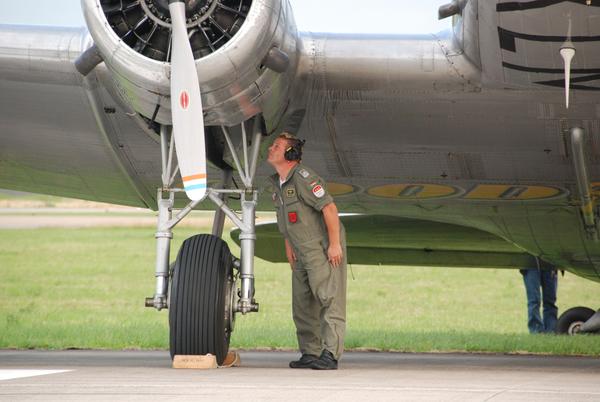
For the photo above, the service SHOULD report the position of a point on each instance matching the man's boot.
(325, 362)
(305, 361)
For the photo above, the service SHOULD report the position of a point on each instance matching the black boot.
(304, 362)
(325, 362)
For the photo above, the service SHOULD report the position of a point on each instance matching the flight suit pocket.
(292, 213)
(296, 221)
(322, 278)
(280, 222)
(313, 254)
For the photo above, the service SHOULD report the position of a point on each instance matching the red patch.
(293, 217)
(318, 191)
(184, 100)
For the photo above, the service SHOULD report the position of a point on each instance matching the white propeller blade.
(186, 107)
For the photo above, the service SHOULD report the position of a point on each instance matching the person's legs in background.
(531, 278)
(549, 282)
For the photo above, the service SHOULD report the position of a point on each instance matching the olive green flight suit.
(318, 289)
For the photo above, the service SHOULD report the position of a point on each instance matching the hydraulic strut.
(246, 223)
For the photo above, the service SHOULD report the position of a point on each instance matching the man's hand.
(335, 255)
(289, 253)
(332, 221)
(291, 257)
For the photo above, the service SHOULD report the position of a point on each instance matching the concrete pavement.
(264, 376)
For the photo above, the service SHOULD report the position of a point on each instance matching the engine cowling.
(233, 41)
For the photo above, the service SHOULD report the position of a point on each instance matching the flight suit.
(318, 289)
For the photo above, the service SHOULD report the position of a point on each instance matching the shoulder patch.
(318, 191)
(304, 173)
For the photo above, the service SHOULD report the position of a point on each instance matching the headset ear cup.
(294, 152)
(289, 154)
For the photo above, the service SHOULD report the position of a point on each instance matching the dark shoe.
(325, 362)
(305, 361)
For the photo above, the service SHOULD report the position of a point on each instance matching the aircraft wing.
(385, 240)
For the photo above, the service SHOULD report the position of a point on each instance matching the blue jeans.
(546, 280)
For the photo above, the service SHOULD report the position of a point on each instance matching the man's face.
(277, 151)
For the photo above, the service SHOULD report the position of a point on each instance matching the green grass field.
(85, 288)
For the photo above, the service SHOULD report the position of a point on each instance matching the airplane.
(478, 146)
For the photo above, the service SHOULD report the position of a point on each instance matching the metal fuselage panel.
(50, 139)
(393, 117)
(527, 38)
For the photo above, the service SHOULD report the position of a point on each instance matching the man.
(535, 279)
(315, 247)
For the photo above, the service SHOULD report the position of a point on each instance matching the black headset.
(294, 151)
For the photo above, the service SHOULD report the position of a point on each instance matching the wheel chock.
(195, 361)
(204, 362)
(231, 360)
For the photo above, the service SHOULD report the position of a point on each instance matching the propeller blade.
(186, 107)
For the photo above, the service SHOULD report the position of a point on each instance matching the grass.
(85, 288)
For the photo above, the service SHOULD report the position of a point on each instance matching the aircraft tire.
(200, 315)
(570, 321)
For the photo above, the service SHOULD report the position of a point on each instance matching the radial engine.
(245, 51)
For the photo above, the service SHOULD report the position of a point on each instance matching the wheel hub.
(230, 304)
(575, 327)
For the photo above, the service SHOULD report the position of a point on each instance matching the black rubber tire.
(200, 285)
(571, 316)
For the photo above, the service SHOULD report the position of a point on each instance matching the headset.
(294, 151)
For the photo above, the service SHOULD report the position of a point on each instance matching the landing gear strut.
(204, 297)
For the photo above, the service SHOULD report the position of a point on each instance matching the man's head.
(286, 149)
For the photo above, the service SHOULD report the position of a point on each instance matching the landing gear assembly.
(581, 319)
(204, 294)
(578, 320)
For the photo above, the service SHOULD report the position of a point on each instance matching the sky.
(374, 16)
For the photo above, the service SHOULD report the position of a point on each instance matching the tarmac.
(36, 218)
(79, 375)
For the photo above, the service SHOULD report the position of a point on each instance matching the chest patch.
(318, 191)
(304, 173)
(293, 217)
(290, 192)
